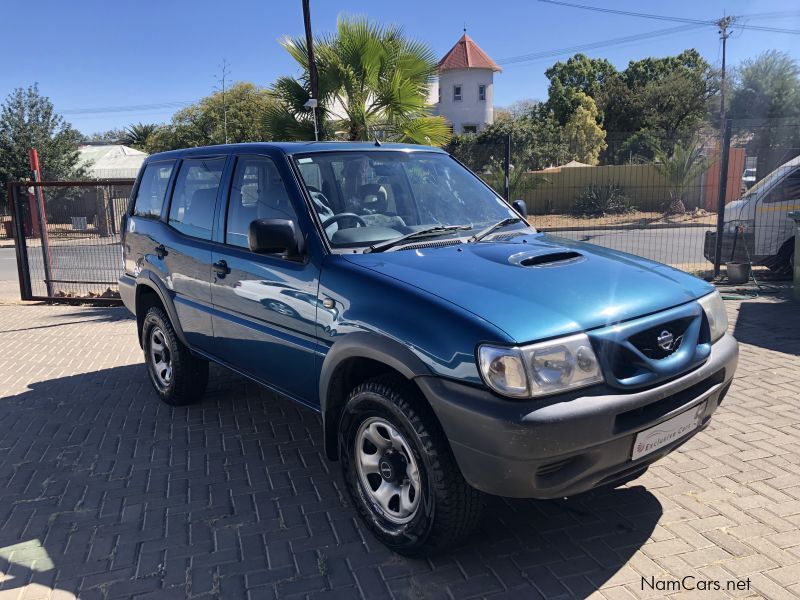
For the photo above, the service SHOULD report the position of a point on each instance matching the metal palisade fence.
(663, 199)
(67, 237)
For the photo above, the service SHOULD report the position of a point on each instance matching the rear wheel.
(400, 471)
(178, 377)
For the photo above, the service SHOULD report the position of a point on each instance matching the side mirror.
(521, 208)
(275, 236)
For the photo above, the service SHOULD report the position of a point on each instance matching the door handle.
(221, 267)
(161, 251)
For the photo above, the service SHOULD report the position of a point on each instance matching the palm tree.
(681, 169)
(136, 135)
(373, 82)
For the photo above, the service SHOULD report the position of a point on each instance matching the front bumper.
(567, 444)
(744, 251)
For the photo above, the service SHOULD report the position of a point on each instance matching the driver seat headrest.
(373, 197)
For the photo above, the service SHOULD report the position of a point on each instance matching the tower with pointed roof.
(466, 86)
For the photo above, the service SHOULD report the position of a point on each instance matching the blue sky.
(93, 54)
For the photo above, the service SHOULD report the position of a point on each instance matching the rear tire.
(178, 377)
(783, 263)
(423, 505)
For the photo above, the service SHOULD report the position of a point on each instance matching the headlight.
(746, 225)
(717, 317)
(540, 369)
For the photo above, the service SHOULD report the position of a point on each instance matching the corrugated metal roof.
(111, 161)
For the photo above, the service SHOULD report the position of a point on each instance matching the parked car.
(759, 222)
(748, 179)
(450, 348)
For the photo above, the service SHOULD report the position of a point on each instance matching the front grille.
(661, 341)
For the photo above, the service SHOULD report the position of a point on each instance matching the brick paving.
(106, 493)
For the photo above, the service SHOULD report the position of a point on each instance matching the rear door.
(185, 249)
(772, 223)
(265, 305)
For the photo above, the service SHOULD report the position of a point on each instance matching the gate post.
(796, 275)
(20, 246)
(723, 191)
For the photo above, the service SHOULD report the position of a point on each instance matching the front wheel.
(400, 471)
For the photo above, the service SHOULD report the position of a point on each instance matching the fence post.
(102, 202)
(20, 246)
(795, 216)
(507, 169)
(723, 191)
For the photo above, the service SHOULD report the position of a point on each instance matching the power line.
(593, 45)
(128, 108)
(629, 13)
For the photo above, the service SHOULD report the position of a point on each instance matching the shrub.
(599, 200)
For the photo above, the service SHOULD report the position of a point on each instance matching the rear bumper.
(564, 445)
(127, 291)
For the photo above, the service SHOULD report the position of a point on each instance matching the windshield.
(362, 198)
(764, 183)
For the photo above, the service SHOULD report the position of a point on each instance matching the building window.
(456, 93)
(469, 128)
(481, 92)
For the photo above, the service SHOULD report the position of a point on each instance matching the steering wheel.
(342, 216)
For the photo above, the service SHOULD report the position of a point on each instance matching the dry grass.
(632, 219)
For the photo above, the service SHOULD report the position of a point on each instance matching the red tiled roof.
(466, 54)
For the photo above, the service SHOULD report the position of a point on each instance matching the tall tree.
(373, 81)
(203, 124)
(765, 105)
(28, 120)
(585, 138)
(578, 74)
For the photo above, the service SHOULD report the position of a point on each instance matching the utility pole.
(312, 72)
(724, 24)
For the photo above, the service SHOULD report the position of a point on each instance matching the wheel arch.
(352, 360)
(151, 292)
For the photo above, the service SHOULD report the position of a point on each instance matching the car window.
(152, 189)
(257, 192)
(786, 190)
(195, 195)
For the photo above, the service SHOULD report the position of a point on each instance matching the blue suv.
(450, 348)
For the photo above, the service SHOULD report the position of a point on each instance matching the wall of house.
(469, 110)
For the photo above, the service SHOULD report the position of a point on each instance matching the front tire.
(400, 471)
(178, 377)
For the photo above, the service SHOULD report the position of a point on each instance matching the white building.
(110, 161)
(464, 93)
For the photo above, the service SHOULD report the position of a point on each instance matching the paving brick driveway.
(106, 493)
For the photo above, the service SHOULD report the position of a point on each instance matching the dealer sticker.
(665, 433)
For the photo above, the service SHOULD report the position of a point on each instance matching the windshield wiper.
(492, 228)
(430, 231)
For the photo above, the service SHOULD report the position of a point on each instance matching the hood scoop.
(548, 258)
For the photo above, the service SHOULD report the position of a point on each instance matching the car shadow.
(756, 325)
(106, 492)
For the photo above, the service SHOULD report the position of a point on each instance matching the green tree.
(765, 105)
(373, 81)
(27, 120)
(578, 74)
(110, 136)
(201, 124)
(681, 169)
(136, 136)
(584, 137)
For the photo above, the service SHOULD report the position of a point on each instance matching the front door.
(772, 223)
(185, 248)
(265, 305)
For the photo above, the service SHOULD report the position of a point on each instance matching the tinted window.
(786, 190)
(258, 192)
(195, 195)
(152, 189)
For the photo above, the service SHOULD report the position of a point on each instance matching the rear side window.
(152, 189)
(195, 195)
(786, 190)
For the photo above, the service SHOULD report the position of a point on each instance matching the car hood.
(742, 209)
(538, 286)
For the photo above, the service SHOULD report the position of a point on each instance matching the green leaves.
(373, 82)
